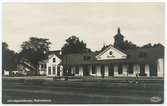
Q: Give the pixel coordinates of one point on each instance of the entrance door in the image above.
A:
(142, 70)
(153, 69)
(102, 70)
(111, 70)
(85, 70)
(58, 70)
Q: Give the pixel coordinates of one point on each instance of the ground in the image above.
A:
(83, 91)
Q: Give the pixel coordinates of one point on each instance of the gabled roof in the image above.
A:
(108, 48)
(56, 52)
(27, 65)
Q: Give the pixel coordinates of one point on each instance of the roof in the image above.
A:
(138, 55)
(56, 52)
(79, 58)
(109, 47)
(27, 65)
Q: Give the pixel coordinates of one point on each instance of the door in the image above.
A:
(142, 70)
(153, 69)
(85, 70)
(102, 70)
(111, 70)
(58, 70)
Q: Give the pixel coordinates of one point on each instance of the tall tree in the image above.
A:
(34, 50)
(8, 58)
(129, 45)
(74, 45)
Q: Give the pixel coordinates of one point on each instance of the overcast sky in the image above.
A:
(94, 23)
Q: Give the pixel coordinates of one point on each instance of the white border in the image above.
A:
(83, 0)
(56, 1)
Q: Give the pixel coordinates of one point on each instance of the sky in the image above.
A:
(94, 23)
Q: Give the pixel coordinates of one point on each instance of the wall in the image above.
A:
(106, 70)
(6, 73)
(98, 70)
(125, 69)
(116, 71)
(160, 67)
(147, 69)
(50, 63)
(80, 71)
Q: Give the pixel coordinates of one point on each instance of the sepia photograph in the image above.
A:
(83, 53)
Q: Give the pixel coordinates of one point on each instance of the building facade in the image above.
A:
(51, 66)
(113, 61)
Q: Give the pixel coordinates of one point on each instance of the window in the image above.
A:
(54, 60)
(110, 52)
(142, 70)
(41, 65)
(77, 70)
(142, 54)
(153, 69)
(130, 68)
(58, 67)
(110, 55)
(87, 58)
(120, 69)
(44, 65)
(93, 69)
(49, 70)
(54, 70)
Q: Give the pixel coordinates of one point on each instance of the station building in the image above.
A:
(116, 62)
(113, 61)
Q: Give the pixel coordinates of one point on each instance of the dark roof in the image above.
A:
(138, 55)
(56, 52)
(82, 58)
(27, 65)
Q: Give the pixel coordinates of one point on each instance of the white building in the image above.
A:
(51, 65)
(112, 61)
(6, 73)
(144, 62)
(116, 61)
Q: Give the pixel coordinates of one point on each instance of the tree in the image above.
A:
(8, 58)
(102, 49)
(74, 45)
(34, 50)
(157, 45)
(129, 45)
(147, 45)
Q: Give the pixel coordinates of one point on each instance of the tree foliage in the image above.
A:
(74, 45)
(34, 50)
(129, 45)
(151, 45)
(8, 58)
